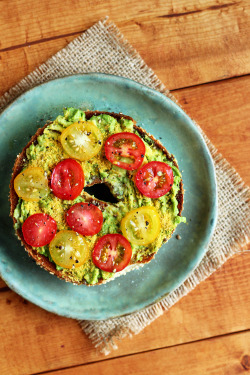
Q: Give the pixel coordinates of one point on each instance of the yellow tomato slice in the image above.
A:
(69, 249)
(141, 226)
(82, 140)
(31, 184)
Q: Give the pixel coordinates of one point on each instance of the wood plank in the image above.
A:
(217, 356)
(18, 63)
(197, 47)
(185, 44)
(28, 21)
(220, 305)
(2, 284)
(222, 110)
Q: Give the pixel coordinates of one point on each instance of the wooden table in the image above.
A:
(201, 51)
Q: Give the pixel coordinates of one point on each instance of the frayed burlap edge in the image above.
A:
(105, 333)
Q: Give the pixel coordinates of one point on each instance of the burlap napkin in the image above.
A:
(103, 49)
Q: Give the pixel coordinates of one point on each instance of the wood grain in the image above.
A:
(2, 284)
(50, 19)
(55, 342)
(17, 64)
(185, 44)
(227, 355)
(222, 110)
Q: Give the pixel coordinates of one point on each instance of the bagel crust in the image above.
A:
(44, 261)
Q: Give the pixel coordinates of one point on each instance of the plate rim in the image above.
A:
(209, 161)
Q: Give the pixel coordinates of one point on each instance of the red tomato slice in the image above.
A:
(112, 253)
(67, 180)
(39, 230)
(154, 179)
(126, 150)
(85, 218)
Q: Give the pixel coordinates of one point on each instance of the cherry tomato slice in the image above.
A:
(31, 184)
(154, 179)
(39, 230)
(112, 253)
(126, 150)
(82, 140)
(67, 179)
(141, 226)
(69, 249)
(85, 218)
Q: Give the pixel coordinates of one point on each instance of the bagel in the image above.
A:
(45, 150)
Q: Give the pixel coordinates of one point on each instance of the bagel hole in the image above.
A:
(101, 192)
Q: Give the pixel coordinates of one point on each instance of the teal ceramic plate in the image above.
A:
(174, 261)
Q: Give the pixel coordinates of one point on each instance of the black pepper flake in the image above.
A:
(178, 237)
(142, 156)
(70, 257)
(171, 185)
(99, 142)
(77, 261)
(147, 223)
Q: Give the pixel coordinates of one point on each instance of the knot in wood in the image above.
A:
(245, 362)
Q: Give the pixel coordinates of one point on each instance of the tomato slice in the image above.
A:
(31, 184)
(69, 249)
(82, 140)
(85, 218)
(154, 179)
(126, 150)
(39, 230)
(112, 253)
(67, 179)
(142, 225)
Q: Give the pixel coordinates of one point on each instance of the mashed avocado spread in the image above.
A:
(47, 152)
